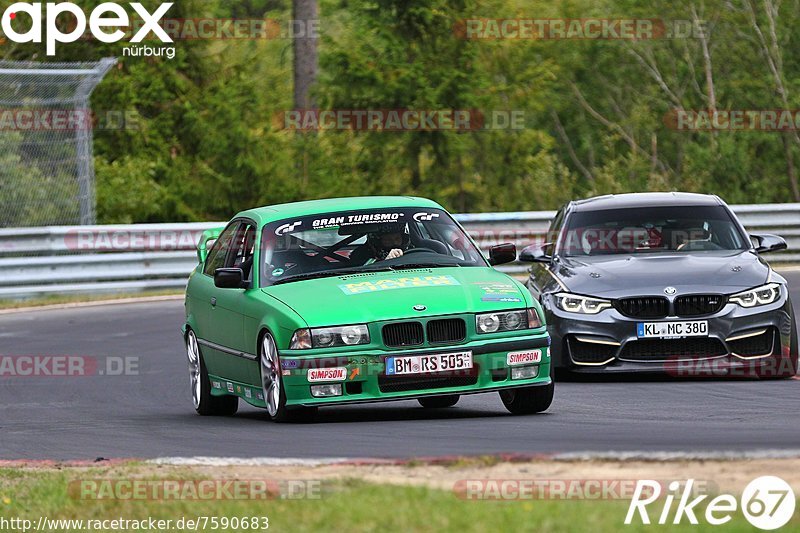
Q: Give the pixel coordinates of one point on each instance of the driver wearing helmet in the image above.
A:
(388, 241)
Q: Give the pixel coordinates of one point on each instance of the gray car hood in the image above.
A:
(649, 274)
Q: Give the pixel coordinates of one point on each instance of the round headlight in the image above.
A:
(352, 335)
(488, 323)
(513, 320)
(324, 339)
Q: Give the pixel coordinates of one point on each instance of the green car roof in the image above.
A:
(271, 213)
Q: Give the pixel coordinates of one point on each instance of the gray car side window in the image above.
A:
(554, 230)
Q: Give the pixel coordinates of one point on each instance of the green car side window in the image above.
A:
(219, 251)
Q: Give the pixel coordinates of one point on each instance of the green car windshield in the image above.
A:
(347, 242)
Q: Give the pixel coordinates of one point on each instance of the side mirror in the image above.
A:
(766, 242)
(502, 253)
(229, 278)
(535, 254)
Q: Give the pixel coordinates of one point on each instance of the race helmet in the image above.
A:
(387, 237)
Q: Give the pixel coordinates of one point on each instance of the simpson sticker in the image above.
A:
(248, 393)
(216, 384)
(327, 374)
(398, 283)
(230, 386)
(524, 358)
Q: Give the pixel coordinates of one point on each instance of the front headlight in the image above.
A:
(581, 304)
(507, 321)
(304, 339)
(766, 294)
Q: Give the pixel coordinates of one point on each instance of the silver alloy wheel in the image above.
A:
(270, 380)
(193, 353)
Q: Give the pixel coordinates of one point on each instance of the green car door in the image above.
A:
(218, 311)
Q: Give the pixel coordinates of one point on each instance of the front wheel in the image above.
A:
(528, 400)
(204, 402)
(438, 402)
(789, 366)
(272, 386)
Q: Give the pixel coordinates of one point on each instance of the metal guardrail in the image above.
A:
(132, 258)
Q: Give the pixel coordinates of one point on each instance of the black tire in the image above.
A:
(439, 402)
(205, 403)
(528, 400)
(269, 365)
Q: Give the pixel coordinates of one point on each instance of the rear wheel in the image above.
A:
(272, 386)
(528, 400)
(438, 402)
(204, 402)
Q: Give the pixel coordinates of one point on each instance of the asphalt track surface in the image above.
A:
(149, 415)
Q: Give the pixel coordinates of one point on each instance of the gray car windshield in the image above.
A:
(337, 243)
(651, 229)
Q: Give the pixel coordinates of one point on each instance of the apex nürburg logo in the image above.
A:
(104, 23)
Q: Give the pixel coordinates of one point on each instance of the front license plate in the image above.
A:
(423, 364)
(661, 330)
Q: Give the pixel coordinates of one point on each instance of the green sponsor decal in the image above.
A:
(397, 283)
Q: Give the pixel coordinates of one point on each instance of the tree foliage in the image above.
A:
(205, 141)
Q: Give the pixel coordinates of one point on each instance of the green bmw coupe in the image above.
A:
(352, 300)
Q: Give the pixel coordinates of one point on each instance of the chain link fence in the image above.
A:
(46, 165)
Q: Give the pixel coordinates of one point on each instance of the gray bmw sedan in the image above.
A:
(664, 282)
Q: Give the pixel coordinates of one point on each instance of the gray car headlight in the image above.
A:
(507, 321)
(586, 305)
(763, 295)
(304, 339)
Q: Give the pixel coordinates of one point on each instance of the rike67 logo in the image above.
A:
(768, 503)
(25, 22)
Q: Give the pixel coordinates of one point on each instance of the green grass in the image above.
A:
(350, 505)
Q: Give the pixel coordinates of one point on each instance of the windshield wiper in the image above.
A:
(329, 273)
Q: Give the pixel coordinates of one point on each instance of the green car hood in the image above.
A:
(372, 297)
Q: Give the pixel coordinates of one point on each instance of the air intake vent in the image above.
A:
(643, 307)
(447, 331)
(756, 345)
(699, 304)
(672, 349)
(403, 334)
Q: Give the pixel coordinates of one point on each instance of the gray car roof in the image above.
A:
(645, 199)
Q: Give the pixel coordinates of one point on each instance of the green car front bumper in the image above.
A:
(365, 378)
